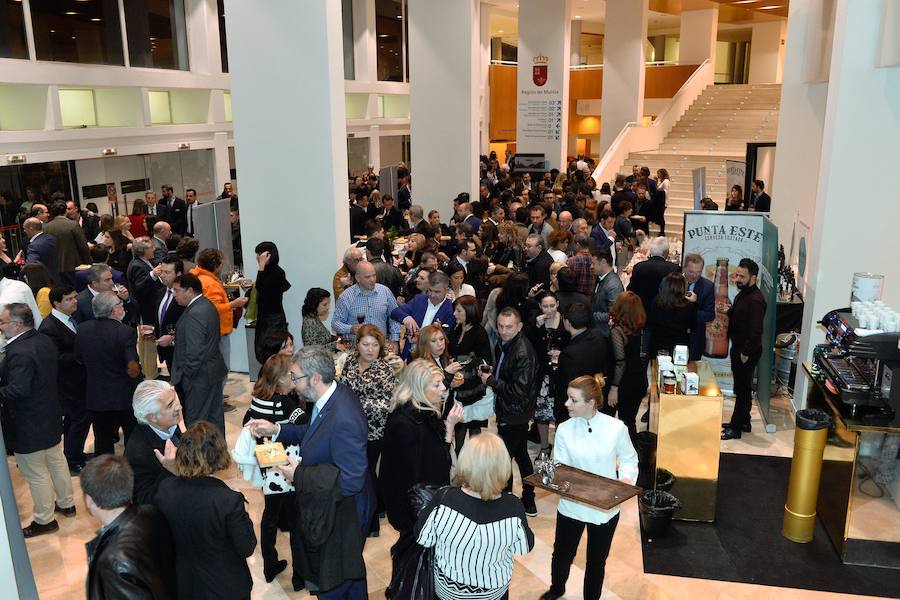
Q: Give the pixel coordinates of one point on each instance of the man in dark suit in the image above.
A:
(426, 309)
(417, 221)
(154, 211)
(100, 279)
(151, 448)
(162, 231)
(70, 240)
(32, 421)
(465, 211)
(538, 261)
(99, 254)
(108, 350)
(166, 310)
(359, 215)
(586, 354)
(759, 199)
(336, 434)
(647, 275)
(702, 294)
(60, 327)
(174, 210)
(606, 290)
(404, 194)
(143, 278)
(41, 247)
(391, 217)
(745, 328)
(198, 368)
(86, 219)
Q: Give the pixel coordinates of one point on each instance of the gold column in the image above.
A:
(803, 491)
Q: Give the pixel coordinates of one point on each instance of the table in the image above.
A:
(688, 430)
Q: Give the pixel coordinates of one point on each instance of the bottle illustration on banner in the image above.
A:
(717, 330)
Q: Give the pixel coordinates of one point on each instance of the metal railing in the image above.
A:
(649, 63)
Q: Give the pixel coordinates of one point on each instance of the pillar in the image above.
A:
(543, 80)
(203, 36)
(575, 42)
(861, 127)
(484, 62)
(623, 68)
(765, 52)
(698, 36)
(444, 74)
(365, 50)
(222, 162)
(300, 65)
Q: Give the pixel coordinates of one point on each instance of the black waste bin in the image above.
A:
(645, 446)
(656, 509)
(664, 480)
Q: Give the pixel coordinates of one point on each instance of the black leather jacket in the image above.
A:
(514, 386)
(132, 558)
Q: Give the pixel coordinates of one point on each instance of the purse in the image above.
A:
(414, 578)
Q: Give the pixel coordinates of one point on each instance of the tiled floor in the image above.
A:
(59, 566)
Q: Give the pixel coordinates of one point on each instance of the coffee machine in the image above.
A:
(861, 367)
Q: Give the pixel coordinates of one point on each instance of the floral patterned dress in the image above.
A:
(374, 388)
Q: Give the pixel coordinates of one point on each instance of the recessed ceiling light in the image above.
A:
(499, 31)
(52, 31)
(152, 39)
(577, 16)
(770, 7)
(383, 35)
(71, 12)
(96, 19)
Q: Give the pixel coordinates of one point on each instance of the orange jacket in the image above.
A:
(215, 293)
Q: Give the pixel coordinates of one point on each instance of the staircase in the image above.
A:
(715, 128)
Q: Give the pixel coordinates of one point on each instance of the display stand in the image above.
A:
(688, 429)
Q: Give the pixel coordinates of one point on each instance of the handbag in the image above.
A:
(414, 577)
(481, 409)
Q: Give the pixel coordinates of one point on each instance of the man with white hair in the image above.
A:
(343, 277)
(13, 290)
(151, 449)
(647, 275)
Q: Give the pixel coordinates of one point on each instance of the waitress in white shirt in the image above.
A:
(594, 442)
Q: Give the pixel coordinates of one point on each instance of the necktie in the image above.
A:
(165, 306)
(191, 219)
(499, 364)
(315, 413)
(72, 323)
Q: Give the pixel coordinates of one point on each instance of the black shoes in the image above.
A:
(271, 574)
(298, 584)
(75, 469)
(66, 512)
(731, 434)
(36, 529)
(549, 595)
(530, 507)
(745, 428)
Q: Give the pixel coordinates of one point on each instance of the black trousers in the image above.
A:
(76, 424)
(373, 453)
(515, 437)
(627, 408)
(461, 429)
(568, 536)
(106, 424)
(743, 387)
(278, 506)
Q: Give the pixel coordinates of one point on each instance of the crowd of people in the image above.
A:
(510, 317)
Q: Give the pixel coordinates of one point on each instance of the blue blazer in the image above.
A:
(416, 308)
(44, 249)
(339, 436)
(706, 312)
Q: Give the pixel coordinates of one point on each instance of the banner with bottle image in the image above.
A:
(723, 239)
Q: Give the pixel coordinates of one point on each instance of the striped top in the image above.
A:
(474, 542)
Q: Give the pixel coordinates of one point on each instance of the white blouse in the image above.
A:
(596, 451)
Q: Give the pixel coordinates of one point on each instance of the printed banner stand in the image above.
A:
(699, 177)
(723, 239)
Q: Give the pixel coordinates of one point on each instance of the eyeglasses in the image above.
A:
(296, 378)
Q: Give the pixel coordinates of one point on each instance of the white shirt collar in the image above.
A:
(194, 299)
(35, 236)
(93, 291)
(10, 340)
(320, 403)
(63, 317)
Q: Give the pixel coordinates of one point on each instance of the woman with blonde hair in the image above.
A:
(478, 516)
(123, 224)
(212, 530)
(595, 442)
(416, 447)
(433, 345)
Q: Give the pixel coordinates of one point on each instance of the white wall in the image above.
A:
(766, 53)
(698, 36)
(623, 67)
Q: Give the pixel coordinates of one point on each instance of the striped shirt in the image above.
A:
(374, 306)
(474, 542)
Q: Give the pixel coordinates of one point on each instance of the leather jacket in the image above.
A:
(515, 384)
(132, 558)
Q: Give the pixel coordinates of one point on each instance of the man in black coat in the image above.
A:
(759, 199)
(42, 248)
(173, 210)
(359, 215)
(151, 448)
(198, 368)
(702, 294)
(108, 350)
(514, 384)
(166, 311)
(100, 279)
(646, 277)
(607, 288)
(60, 327)
(586, 354)
(32, 421)
(133, 553)
(538, 261)
(143, 278)
(745, 328)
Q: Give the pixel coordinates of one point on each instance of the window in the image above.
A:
(87, 31)
(160, 108)
(391, 39)
(156, 34)
(12, 31)
(228, 114)
(223, 42)
(78, 108)
(347, 18)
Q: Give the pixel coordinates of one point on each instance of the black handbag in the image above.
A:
(414, 577)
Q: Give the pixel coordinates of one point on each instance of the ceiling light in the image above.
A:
(96, 19)
(770, 7)
(499, 31)
(746, 1)
(71, 12)
(152, 39)
(383, 35)
(52, 31)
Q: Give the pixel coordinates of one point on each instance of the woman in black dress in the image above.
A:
(470, 346)
(549, 337)
(671, 315)
(271, 284)
(629, 381)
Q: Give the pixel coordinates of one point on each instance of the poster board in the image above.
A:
(699, 179)
(735, 173)
(731, 236)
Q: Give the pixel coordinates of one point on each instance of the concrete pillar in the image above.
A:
(484, 62)
(365, 44)
(222, 162)
(375, 147)
(203, 36)
(310, 143)
(543, 80)
(575, 42)
(623, 67)
(860, 131)
(698, 36)
(444, 74)
(766, 56)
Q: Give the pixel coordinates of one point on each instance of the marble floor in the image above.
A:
(59, 566)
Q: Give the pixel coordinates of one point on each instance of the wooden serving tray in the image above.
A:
(595, 490)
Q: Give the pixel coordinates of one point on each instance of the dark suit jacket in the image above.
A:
(32, 419)
(646, 277)
(358, 218)
(338, 436)
(605, 293)
(745, 325)
(90, 224)
(148, 472)
(175, 310)
(586, 354)
(85, 311)
(762, 203)
(175, 214)
(81, 281)
(143, 288)
(394, 219)
(73, 249)
(70, 375)
(213, 537)
(108, 350)
(45, 250)
(539, 269)
(416, 309)
(404, 198)
(197, 355)
(706, 312)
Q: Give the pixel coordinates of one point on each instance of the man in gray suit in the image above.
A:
(607, 289)
(70, 240)
(161, 232)
(198, 369)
